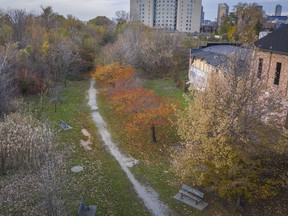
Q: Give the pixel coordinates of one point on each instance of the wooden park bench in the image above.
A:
(191, 197)
(86, 210)
(191, 193)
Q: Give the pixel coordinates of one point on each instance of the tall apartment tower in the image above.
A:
(223, 10)
(202, 15)
(143, 10)
(278, 10)
(165, 14)
(189, 15)
(181, 15)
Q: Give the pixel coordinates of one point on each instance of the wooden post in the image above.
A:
(286, 122)
(153, 130)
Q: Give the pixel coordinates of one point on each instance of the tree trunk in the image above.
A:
(153, 130)
(286, 122)
(3, 164)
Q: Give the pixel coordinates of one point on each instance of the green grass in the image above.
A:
(167, 88)
(154, 168)
(102, 182)
(164, 88)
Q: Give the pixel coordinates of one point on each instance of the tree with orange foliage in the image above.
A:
(146, 110)
(114, 74)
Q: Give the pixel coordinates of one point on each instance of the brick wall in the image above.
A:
(268, 74)
(269, 70)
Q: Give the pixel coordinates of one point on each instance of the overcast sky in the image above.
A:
(88, 9)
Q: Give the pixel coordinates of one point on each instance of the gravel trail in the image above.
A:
(147, 194)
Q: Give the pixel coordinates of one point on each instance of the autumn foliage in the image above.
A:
(113, 74)
(226, 146)
(144, 108)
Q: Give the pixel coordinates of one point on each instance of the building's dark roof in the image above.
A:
(218, 55)
(277, 41)
(211, 58)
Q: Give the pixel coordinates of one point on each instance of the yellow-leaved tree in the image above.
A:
(226, 145)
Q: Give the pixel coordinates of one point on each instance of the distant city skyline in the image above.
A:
(89, 9)
(210, 6)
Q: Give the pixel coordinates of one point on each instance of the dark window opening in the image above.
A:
(277, 74)
(260, 67)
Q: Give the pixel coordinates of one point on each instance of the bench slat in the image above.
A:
(190, 195)
(193, 191)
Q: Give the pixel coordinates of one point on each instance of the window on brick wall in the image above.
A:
(260, 68)
(277, 74)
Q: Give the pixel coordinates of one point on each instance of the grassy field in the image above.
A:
(102, 182)
(167, 88)
(164, 88)
(154, 168)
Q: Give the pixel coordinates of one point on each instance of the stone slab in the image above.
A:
(77, 169)
(200, 206)
(64, 125)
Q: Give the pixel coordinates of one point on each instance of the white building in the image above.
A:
(181, 15)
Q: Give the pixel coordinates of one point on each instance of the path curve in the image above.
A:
(147, 194)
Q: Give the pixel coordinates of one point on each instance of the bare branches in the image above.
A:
(122, 15)
(18, 20)
(7, 76)
(63, 60)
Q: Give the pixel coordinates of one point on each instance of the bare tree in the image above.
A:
(48, 16)
(122, 15)
(63, 60)
(7, 77)
(127, 47)
(18, 20)
(156, 54)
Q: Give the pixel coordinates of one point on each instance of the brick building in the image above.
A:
(271, 54)
(210, 59)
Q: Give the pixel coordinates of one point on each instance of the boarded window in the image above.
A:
(260, 68)
(277, 74)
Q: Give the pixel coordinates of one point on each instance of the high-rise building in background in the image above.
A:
(260, 8)
(181, 15)
(202, 15)
(278, 10)
(223, 10)
(189, 15)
